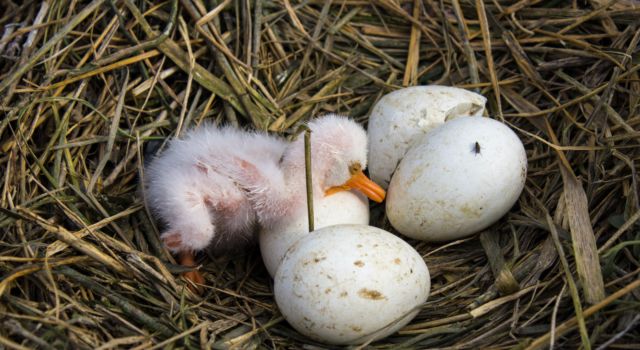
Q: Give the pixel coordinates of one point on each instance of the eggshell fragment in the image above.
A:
(348, 284)
(404, 115)
(344, 207)
(457, 180)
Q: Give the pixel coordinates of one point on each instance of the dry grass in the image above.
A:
(91, 89)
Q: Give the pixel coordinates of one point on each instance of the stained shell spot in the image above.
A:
(315, 260)
(327, 291)
(356, 328)
(470, 211)
(370, 294)
(397, 261)
(343, 294)
(358, 263)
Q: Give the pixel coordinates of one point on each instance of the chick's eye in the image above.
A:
(355, 168)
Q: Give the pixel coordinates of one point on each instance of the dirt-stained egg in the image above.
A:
(401, 117)
(348, 284)
(345, 207)
(457, 179)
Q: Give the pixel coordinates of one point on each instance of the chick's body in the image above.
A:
(214, 186)
(190, 189)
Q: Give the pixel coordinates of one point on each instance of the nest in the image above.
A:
(89, 90)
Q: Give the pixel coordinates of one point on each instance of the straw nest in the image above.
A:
(91, 89)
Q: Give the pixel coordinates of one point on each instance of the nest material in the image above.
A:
(90, 90)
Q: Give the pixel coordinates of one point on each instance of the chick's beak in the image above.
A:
(359, 181)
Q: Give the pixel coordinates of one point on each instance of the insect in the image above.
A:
(476, 148)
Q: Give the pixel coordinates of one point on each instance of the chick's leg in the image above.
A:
(173, 241)
(187, 259)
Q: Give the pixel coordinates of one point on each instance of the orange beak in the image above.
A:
(359, 181)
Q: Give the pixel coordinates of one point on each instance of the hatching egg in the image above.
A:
(344, 207)
(401, 117)
(457, 179)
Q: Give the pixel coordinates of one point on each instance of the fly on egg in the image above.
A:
(457, 180)
(450, 171)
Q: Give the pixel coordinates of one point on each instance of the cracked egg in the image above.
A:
(401, 117)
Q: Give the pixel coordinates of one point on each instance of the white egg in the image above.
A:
(457, 180)
(345, 207)
(348, 284)
(404, 115)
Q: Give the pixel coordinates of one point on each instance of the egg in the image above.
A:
(348, 284)
(345, 207)
(457, 180)
(401, 117)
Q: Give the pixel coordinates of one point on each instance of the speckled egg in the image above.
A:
(348, 284)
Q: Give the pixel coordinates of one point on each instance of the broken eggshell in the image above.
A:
(349, 284)
(345, 207)
(457, 180)
(404, 115)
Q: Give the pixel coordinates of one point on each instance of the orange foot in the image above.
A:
(187, 259)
